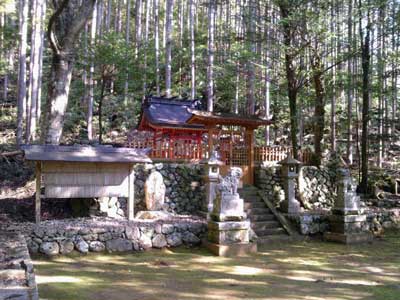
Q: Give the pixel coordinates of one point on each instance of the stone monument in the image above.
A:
(290, 172)
(228, 229)
(154, 189)
(347, 222)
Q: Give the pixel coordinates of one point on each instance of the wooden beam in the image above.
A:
(38, 191)
(131, 193)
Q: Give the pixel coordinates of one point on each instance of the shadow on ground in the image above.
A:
(304, 270)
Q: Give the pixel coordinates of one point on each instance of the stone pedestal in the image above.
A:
(228, 207)
(347, 223)
(228, 231)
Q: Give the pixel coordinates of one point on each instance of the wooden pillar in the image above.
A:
(131, 193)
(250, 137)
(210, 141)
(38, 191)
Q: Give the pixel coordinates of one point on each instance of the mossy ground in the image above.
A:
(302, 270)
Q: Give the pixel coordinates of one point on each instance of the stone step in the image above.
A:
(270, 231)
(258, 211)
(248, 205)
(260, 218)
(252, 200)
(260, 225)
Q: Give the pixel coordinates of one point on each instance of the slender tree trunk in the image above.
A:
(349, 147)
(40, 75)
(251, 19)
(157, 45)
(290, 75)
(168, 46)
(127, 41)
(35, 70)
(138, 27)
(90, 101)
(21, 98)
(365, 57)
(381, 68)
(146, 42)
(319, 110)
(192, 50)
(211, 50)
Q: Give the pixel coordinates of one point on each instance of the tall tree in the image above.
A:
(23, 31)
(365, 35)
(168, 45)
(64, 26)
(38, 13)
(211, 50)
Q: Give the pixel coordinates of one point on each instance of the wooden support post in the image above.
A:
(210, 142)
(250, 135)
(131, 193)
(38, 191)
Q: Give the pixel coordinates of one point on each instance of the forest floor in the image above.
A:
(303, 270)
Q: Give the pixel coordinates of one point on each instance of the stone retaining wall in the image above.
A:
(17, 278)
(185, 191)
(316, 188)
(312, 222)
(106, 234)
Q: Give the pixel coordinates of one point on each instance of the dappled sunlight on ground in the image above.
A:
(300, 271)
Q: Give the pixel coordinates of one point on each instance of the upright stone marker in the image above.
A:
(155, 191)
(347, 223)
(228, 229)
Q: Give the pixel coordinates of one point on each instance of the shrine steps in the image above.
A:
(268, 224)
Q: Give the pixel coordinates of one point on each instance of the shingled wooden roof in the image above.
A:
(212, 118)
(85, 154)
(160, 112)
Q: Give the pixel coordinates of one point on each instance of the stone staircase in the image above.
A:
(263, 221)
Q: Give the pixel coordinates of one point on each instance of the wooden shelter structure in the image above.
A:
(178, 130)
(84, 172)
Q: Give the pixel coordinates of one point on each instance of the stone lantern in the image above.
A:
(348, 224)
(212, 168)
(290, 172)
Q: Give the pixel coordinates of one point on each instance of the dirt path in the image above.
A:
(312, 270)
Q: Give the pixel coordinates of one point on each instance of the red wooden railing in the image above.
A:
(190, 150)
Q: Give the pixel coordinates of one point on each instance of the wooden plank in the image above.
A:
(131, 194)
(85, 179)
(82, 167)
(38, 184)
(54, 191)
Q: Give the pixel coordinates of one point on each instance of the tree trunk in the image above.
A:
(319, 109)
(168, 46)
(192, 50)
(251, 19)
(90, 101)
(64, 27)
(290, 75)
(157, 46)
(127, 41)
(349, 147)
(35, 70)
(365, 59)
(211, 50)
(21, 97)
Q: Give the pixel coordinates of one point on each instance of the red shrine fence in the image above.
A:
(232, 152)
